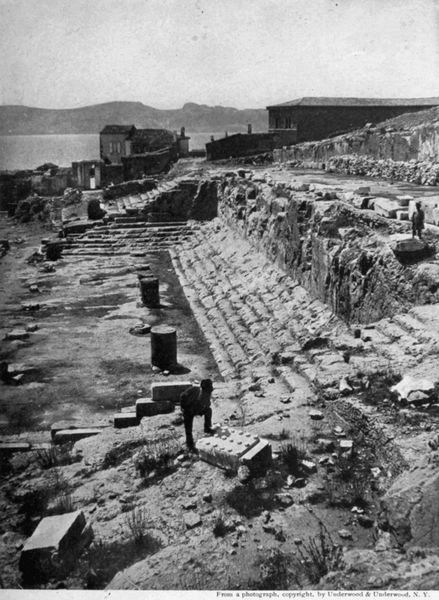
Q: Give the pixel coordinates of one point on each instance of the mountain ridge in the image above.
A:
(28, 120)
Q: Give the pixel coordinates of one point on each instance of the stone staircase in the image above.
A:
(129, 229)
(256, 317)
(253, 315)
(127, 235)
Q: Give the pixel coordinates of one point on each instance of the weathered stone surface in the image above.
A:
(55, 541)
(192, 519)
(410, 385)
(411, 508)
(386, 207)
(388, 569)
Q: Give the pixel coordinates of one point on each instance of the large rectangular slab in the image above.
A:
(169, 391)
(73, 435)
(386, 207)
(229, 448)
(145, 407)
(128, 419)
(60, 534)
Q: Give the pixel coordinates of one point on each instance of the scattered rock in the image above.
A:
(344, 387)
(308, 466)
(284, 499)
(345, 534)
(300, 482)
(365, 521)
(410, 385)
(325, 445)
(266, 516)
(346, 446)
(244, 474)
(316, 415)
(207, 497)
(192, 520)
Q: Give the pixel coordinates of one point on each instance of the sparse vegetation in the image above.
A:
(63, 504)
(156, 456)
(55, 456)
(102, 560)
(120, 452)
(319, 555)
(283, 434)
(219, 526)
(136, 521)
(291, 455)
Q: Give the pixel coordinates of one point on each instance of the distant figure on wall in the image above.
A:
(196, 402)
(418, 220)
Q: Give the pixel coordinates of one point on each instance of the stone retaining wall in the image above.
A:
(337, 252)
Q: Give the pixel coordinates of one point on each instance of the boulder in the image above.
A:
(410, 506)
(407, 389)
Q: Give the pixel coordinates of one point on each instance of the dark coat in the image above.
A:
(191, 401)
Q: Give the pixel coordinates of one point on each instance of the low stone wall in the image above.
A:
(337, 252)
(418, 172)
(137, 186)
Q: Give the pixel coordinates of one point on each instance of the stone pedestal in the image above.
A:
(149, 290)
(163, 347)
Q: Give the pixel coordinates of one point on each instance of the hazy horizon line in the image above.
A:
(264, 107)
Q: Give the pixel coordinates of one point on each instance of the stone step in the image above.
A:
(414, 327)
(259, 321)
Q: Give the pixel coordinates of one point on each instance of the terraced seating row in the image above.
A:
(254, 325)
(248, 323)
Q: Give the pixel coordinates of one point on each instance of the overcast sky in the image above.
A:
(243, 53)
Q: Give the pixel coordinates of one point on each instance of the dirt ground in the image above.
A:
(83, 363)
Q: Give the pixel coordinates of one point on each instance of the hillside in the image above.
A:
(24, 120)
(409, 120)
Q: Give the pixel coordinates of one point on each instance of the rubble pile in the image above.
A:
(418, 172)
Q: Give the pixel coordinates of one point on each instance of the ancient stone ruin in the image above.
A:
(307, 302)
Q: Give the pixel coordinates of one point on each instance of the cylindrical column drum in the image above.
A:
(149, 290)
(164, 347)
(53, 250)
(143, 271)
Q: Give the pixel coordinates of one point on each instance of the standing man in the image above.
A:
(196, 402)
(418, 220)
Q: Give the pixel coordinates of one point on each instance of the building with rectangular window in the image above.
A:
(119, 141)
(317, 118)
